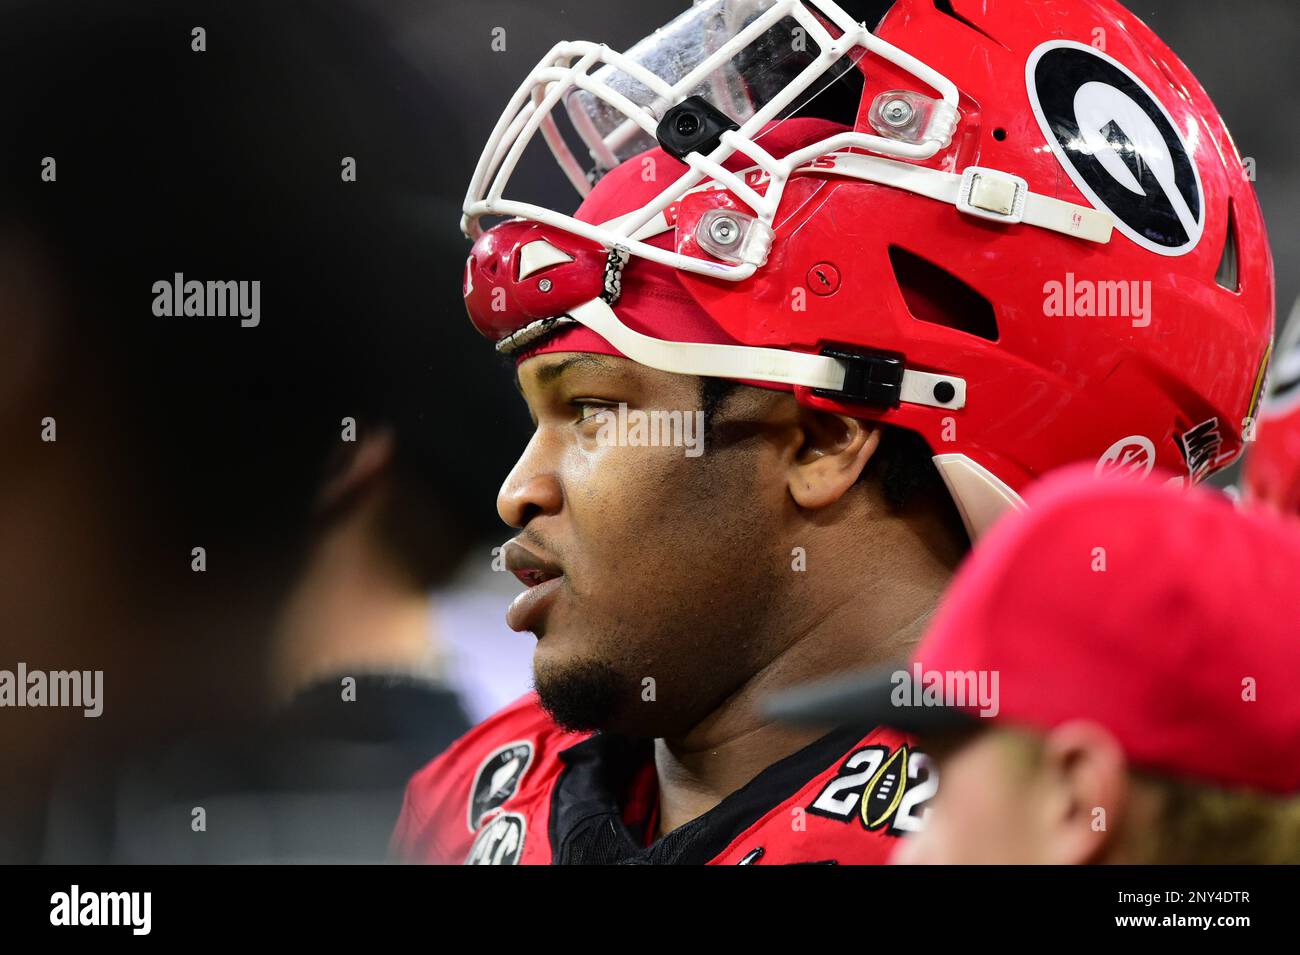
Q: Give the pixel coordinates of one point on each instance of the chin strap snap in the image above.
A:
(858, 377)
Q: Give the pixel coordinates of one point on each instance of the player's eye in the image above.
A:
(592, 410)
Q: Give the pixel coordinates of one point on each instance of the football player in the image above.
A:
(832, 298)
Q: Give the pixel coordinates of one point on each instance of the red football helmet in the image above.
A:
(1272, 472)
(1035, 244)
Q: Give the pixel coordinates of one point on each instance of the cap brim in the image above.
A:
(865, 698)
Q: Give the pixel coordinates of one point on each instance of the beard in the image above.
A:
(583, 695)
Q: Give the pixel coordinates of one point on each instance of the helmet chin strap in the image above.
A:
(749, 363)
(981, 497)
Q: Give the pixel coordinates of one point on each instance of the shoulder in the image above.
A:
(852, 810)
(512, 758)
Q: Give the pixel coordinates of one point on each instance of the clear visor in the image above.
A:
(739, 87)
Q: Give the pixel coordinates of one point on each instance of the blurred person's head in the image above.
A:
(384, 534)
(1270, 476)
(1070, 796)
(1106, 681)
(155, 144)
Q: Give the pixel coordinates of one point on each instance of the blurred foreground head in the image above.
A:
(163, 444)
(1109, 679)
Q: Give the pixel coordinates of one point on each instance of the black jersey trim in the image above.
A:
(586, 824)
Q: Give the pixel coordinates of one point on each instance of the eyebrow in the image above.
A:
(549, 373)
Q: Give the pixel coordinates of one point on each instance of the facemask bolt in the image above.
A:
(724, 230)
(897, 112)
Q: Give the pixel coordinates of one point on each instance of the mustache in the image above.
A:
(528, 536)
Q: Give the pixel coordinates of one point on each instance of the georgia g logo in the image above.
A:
(1119, 145)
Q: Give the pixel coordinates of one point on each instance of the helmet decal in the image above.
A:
(1118, 144)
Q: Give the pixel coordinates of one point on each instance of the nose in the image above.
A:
(531, 489)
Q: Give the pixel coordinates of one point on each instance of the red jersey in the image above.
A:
(517, 789)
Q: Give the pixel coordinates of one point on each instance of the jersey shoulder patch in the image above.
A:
(481, 800)
(852, 812)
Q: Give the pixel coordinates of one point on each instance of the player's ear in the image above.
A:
(832, 453)
(1085, 779)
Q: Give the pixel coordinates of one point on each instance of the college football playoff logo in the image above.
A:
(882, 788)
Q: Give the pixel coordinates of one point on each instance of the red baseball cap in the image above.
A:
(1167, 616)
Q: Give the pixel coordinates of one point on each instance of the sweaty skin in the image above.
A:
(680, 604)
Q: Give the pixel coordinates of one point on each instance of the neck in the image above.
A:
(351, 613)
(868, 614)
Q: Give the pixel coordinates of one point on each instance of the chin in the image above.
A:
(579, 692)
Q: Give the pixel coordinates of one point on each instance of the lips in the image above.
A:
(542, 578)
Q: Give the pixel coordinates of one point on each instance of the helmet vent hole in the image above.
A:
(1228, 274)
(1000, 134)
(945, 7)
(934, 295)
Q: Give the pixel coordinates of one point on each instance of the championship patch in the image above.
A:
(498, 779)
(1118, 144)
(500, 843)
(881, 788)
